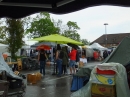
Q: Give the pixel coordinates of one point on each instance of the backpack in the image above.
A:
(61, 54)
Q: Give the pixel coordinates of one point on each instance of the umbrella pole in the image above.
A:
(55, 67)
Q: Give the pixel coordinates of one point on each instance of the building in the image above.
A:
(112, 39)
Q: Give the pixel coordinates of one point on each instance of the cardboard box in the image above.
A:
(95, 95)
(104, 79)
(101, 89)
(32, 78)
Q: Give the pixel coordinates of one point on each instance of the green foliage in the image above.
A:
(42, 25)
(15, 34)
(58, 25)
(12, 31)
(71, 32)
(73, 26)
(3, 35)
(85, 41)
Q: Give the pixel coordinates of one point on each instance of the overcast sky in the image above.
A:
(91, 20)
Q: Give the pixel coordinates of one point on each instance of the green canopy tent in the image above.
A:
(121, 54)
(58, 39)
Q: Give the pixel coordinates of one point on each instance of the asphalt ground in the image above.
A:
(51, 85)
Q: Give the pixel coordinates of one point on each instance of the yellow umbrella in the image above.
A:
(58, 39)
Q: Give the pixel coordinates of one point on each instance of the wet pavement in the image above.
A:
(51, 85)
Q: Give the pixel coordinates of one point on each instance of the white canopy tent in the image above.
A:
(97, 46)
(88, 50)
(3, 48)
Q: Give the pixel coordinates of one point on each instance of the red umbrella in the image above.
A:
(45, 47)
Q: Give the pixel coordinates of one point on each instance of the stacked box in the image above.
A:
(103, 90)
(103, 84)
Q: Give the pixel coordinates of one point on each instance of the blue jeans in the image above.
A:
(72, 63)
(59, 65)
(42, 67)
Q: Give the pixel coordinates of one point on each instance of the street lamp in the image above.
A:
(106, 31)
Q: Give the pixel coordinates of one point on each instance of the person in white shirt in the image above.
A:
(83, 61)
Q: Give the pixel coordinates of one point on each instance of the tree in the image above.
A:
(71, 31)
(58, 25)
(42, 25)
(15, 32)
(3, 35)
(85, 41)
(72, 26)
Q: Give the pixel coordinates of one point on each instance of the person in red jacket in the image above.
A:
(72, 62)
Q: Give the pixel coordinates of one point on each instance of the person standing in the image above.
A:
(64, 60)
(105, 54)
(77, 60)
(67, 65)
(31, 52)
(59, 60)
(72, 62)
(83, 61)
(42, 59)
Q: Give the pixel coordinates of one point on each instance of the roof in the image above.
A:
(111, 38)
(22, 8)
